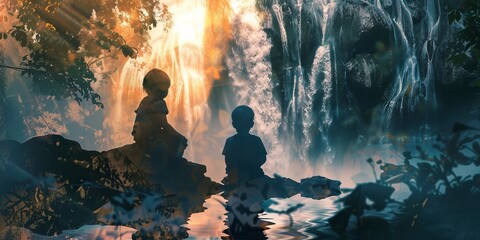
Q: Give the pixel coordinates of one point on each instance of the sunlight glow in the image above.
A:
(191, 52)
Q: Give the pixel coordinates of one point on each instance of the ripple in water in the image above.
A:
(309, 222)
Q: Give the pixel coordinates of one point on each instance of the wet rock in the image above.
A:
(176, 175)
(361, 27)
(368, 78)
(386, 3)
(318, 187)
(364, 41)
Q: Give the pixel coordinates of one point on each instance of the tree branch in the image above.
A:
(20, 68)
(103, 57)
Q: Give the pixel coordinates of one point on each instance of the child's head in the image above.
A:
(156, 83)
(242, 118)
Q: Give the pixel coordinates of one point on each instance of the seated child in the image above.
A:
(244, 153)
(151, 127)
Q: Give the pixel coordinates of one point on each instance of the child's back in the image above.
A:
(151, 127)
(244, 156)
(244, 153)
(145, 127)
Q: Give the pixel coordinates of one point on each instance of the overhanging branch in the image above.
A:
(20, 68)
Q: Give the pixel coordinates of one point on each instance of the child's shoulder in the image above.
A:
(237, 138)
(255, 138)
(155, 105)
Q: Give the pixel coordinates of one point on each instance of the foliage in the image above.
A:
(466, 43)
(432, 177)
(2, 81)
(57, 180)
(50, 184)
(435, 172)
(67, 39)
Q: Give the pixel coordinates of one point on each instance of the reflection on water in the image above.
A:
(309, 222)
(209, 223)
(308, 219)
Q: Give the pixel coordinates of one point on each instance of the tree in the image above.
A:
(65, 39)
(465, 48)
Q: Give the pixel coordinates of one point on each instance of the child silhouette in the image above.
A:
(244, 153)
(151, 127)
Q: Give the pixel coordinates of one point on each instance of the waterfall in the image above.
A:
(180, 53)
(321, 83)
(285, 59)
(310, 98)
(288, 133)
(321, 65)
(411, 90)
(303, 120)
(250, 69)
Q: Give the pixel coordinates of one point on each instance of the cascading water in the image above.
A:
(178, 52)
(287, 130)
(250, 69)
(282, 61)
(295, 100)
(413, 90)
(303, 118)
(321, 84)
(313, 98)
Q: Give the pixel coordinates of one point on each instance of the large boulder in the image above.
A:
(49, 179)
(364, 39)
(361, 28)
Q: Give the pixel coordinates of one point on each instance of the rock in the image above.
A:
(173, 175)
(318, 187)
(368, 78)
(59, 179)
(360, 27)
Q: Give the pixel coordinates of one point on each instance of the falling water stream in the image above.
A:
(412, 90)
(308, 105)
(180, 53)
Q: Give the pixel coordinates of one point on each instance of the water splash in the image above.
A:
(250, 69)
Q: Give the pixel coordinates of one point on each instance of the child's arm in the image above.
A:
(231, 168)
(262, 159)
(160, 119)
(158, 111)
(227, 152)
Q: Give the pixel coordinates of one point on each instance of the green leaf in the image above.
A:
(459, 59)
(127, 51)
(454, 16)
